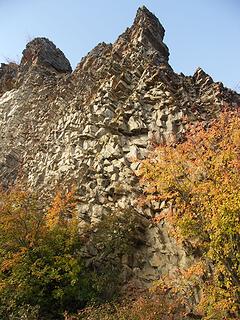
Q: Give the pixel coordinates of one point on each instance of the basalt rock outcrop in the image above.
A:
(93, 126)
(42, 52)
(8, 73)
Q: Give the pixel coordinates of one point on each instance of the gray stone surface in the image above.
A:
(92, 127)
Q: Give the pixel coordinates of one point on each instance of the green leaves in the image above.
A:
(42, 269)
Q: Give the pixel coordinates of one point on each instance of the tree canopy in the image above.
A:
(199, 179)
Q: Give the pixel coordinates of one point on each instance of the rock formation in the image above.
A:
(92, 126)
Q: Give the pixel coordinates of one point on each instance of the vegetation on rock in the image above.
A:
(200, 181)
(43, 272)
(45, 269)
(94, 126)
(163, 306)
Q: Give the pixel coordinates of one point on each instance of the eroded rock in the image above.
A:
(93, 127)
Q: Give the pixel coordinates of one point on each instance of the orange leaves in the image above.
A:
(15, 258)
(20, 220)
(144, 307)
(197, 269)
(62, 209)
(202, 174)
(40, 258)
(200, 178)
(24, 221)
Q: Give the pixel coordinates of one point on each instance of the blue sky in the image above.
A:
(203, 33)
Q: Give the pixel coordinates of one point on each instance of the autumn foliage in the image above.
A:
(44, 272)
(199, 179)
(45, 275)
(42, 269)
(144, 307)
(40, 266)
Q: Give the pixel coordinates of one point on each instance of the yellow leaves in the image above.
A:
(12, 260)
(20, 220)
(196, 270)
(62, 209)
(54, 213)
(218, 303)
(200, 177)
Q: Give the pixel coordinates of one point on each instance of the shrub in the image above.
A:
(40, 257)
(43, 271)
(145, 307)
(200, 180)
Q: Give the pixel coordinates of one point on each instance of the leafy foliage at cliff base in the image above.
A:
(199, 179)
(43, 268)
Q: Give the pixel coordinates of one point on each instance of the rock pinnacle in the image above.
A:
(148, 33)
(43, 52)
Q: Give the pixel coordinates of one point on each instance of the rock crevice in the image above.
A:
(94, 126)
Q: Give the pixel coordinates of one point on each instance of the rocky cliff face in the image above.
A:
(92, 126)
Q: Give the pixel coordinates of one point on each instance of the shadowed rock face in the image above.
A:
(42, 52)
(148, 32)
(93, 126)
(40, 58)
(8, 73)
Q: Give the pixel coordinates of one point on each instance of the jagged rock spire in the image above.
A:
(93, 128)
(147, 33)
(43, 52)
(149, 23)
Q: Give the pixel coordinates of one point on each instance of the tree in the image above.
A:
(44, 271)
(41, 268)
(199, 179)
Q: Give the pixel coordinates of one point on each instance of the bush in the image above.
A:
(43, 271)
(200, 180)
(145, 307)
(41, 265)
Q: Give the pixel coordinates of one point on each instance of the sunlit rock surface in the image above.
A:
(93, 126)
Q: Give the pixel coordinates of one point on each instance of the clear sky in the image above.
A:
(203, 33)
